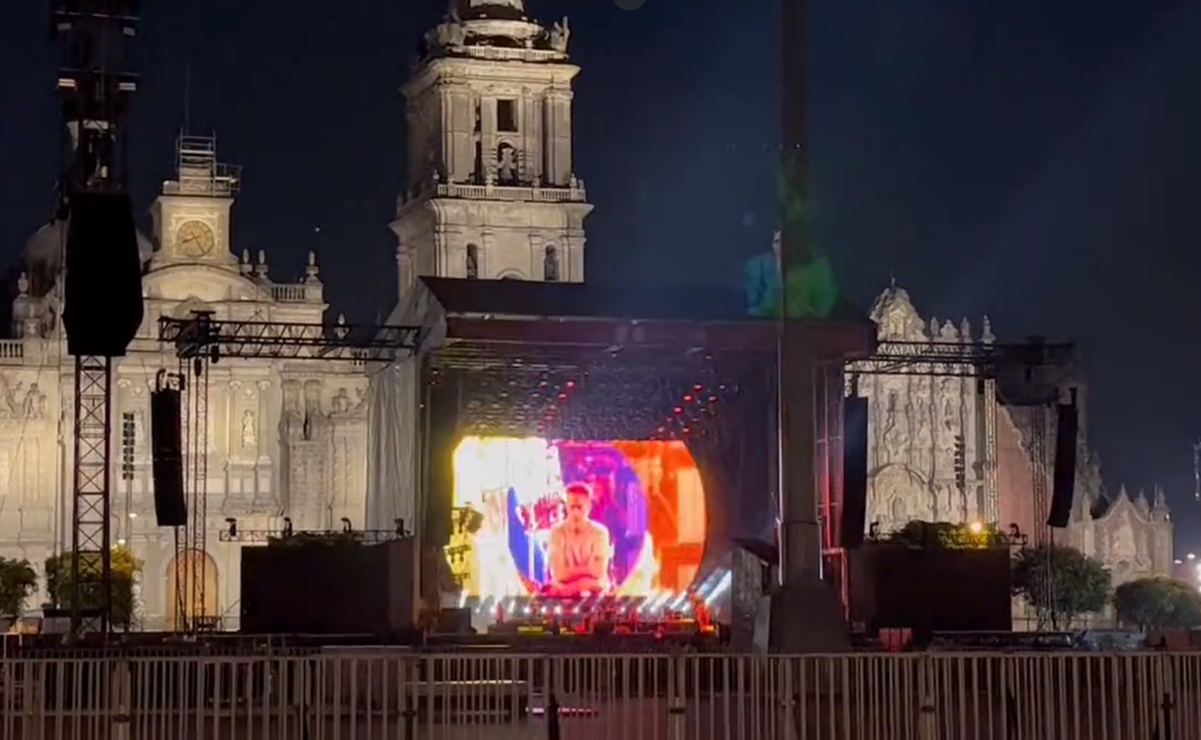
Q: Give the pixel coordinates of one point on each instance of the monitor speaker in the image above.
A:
(1064, 478)
(854, 470)
(166, 447)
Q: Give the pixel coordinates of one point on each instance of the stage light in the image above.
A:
(975, 527)
(232, 524)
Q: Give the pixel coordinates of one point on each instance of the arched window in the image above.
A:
(473, 262)
(550, 265)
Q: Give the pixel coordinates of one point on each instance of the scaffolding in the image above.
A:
(199, 173)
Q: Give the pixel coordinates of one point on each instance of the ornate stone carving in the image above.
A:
(33, 406)
(11, 398)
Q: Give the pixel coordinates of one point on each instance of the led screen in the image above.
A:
(573, 519)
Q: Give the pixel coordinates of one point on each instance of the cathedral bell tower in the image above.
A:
(490, 192)
(191, 215)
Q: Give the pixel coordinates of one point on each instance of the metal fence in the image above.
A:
(366, 696)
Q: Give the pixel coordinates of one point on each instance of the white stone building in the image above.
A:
(916, 422)
(491, 192)
(285, 437)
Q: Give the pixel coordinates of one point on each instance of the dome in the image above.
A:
(43, 248)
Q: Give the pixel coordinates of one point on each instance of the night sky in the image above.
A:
(1037, 161)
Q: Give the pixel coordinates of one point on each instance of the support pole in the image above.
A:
(806, 615)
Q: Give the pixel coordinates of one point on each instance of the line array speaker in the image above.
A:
(1063, 480)
(854, 470)
(166, 449)
(103, 284)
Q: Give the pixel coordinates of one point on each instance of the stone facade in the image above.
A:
(916, 423)
(284, 437)
(491, 192)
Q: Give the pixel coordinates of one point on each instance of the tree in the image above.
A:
(1158, 603)
(1060, 583)
(125, 567)
(17, 581)
(948, 535)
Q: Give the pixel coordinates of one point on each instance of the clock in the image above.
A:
(195, 239)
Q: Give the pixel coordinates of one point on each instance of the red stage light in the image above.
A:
(678, 410)
(562, 396)
(688, 398)
(571, 384)
(697, 388)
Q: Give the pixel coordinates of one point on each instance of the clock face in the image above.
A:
(195, 239)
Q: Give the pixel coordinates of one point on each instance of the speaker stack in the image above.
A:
(1063, 479)
(854, 470)
(166, 442)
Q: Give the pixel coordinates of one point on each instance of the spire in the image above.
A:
(1161, 500)
(1141, 501)
(986, 334)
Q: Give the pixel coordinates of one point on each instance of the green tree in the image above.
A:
(125, 567)
(1060, 583)
(17, 581)
(1158, 603)
(948, 535)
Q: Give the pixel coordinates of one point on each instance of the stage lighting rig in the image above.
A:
(234, 533)
(204, 337)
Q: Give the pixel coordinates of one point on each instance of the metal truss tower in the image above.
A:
(95, 91)
(203, 339)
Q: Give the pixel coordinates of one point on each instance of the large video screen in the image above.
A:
(574, 519)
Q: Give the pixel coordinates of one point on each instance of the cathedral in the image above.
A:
(920, 427)
(285, 438)
(490, 194)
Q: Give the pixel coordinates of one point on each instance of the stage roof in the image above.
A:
(704, 303)
(456, 311)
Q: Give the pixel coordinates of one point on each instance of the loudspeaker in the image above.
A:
(103, 283)
(166, 449)
(1064, 479)
(854, 470)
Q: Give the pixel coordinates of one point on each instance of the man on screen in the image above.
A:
(580, 549)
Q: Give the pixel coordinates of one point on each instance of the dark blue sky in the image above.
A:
(1037, 161)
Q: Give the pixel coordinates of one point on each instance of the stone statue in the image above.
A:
(450, 35)
(560, 34)
(506, 164)
(341, 402)
(473, 262)
(249, 436)
(550, 265)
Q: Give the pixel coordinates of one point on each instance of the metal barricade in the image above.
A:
(366, 695)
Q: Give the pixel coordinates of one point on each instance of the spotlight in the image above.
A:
(287, 527)
(346, 525)
(233, 527)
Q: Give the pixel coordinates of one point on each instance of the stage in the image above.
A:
(665, 410)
